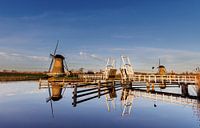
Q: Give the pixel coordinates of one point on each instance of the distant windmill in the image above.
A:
(58, 64)
(161, 69)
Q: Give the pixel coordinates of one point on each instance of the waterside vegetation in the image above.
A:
(21, 76)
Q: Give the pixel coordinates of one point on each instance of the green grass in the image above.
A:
(21, 76)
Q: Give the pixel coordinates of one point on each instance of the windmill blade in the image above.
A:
(52, 109)
(56, 48)
(49, 90)
(64, 91)
(52, 55)
(66, 67)
(51, 64)
(49, 99)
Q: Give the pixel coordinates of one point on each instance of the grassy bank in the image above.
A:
(20, 76)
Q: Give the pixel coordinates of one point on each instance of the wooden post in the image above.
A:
(153, 88)
(148, 86)
(40, 83)
(75, 95)
(196, 80)
(184, 90)
(99, 89)
(113, 83)
(139, 78)
(149, 79)
(63, 81)
(178, 79)
(185, 79)
(130, 84)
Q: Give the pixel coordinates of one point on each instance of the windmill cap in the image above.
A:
(56, 98)
(59, 56)
(161, 66)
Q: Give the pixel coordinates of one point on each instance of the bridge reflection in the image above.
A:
(110, 90)
(95, 90)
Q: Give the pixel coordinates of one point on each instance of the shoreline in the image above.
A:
(18, 76)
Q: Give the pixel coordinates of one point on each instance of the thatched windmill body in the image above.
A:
(58, 64)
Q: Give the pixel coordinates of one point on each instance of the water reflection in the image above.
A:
(83, 93)
(113, 93)
(127, 101)
(56, 92)
(110, 98)
(126, 107)
(196, 108)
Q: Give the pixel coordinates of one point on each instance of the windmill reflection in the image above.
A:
(56, 93)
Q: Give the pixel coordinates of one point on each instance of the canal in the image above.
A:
(23, 104)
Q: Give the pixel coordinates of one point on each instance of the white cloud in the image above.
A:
(20, 61)
(38, 58)
(22, 56)
(92, 56)
(2, 53)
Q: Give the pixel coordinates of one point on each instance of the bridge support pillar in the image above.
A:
(153, 87)
(74, 96)
(198, 95)
(148, 86)
(184, 89)
(99, 89)
(130, 84)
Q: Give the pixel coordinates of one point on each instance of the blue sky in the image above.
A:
(92, 30)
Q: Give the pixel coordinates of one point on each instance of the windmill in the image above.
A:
(161, 69)
(56, 69)
(58, 64)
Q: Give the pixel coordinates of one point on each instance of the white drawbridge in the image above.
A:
(126, 69)
(110, 70)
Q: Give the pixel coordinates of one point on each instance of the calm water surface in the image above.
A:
(23, 105)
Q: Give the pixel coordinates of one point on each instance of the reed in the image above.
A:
(9, 76)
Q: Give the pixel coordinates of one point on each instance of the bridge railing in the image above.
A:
(165, 78)
(92, 76)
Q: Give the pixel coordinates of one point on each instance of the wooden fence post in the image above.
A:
(75, 95)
